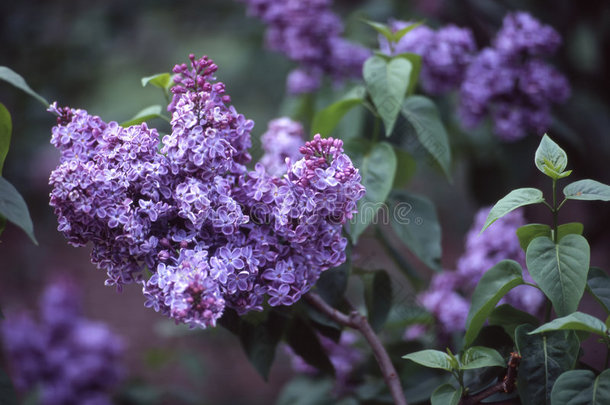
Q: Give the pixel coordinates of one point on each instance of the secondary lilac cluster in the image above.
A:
(446, 53)
(309, 33)
(344, 356)
(497, 243)
(208, 232)
(69, 359)
(445, 297)
(510, 82)
(283, 140)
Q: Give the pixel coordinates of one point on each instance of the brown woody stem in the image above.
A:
(507, 384)
(359, 322)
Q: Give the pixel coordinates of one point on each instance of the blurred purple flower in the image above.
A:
(309, 33)
(445, 53)
(283, 139)
(66, 357)
(445, 296)
(508, 83)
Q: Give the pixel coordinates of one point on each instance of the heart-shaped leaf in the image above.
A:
(560, 270)
(581, 387)
(387, 83)
(543, 359)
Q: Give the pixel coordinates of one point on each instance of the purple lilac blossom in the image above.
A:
(523, 34)
(283, 140)
(344, 356)
(445, 296)
(446, 53)
(309, 33)
(511, 84)
(69, 359)
(210, 233)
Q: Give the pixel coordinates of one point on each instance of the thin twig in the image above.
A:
(507, 384)
(359, 322)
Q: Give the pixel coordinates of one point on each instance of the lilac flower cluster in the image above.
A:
(499, 242)
(344, 356)
(68, 358)
(283, 140)
(446, 53)
(209, 233)
(445, 296)
(511, 83)
(309, 33)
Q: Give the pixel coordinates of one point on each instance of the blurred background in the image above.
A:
(93, 54)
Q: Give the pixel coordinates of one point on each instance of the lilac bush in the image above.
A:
(186, 219)
(308, 32)
(68, 358)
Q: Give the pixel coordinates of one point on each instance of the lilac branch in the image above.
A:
(359, 322)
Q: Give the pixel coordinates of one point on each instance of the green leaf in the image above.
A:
(160, 80)
(509, 318)
(421, 112)
(446, 394)
(16, 80)
(568, 229)
(325, 121)
(416, 62)
(260, 340)
(403, 31)
(494, 285)
(405, 168)
(414, 220)
(550, 155)
(479, 357)
(381, 28)
(581, 387)
(7, 392)
(529, 232)
(575, 321)
(544, 358)
(598, 285)
(560, 270)
(377, 170)
(332, 283)
(513, 200)
(6, 127)
(147, 114)
(588, 190)
(378, 299)
(431, 358)
(305, 343)
(387, 83)
(14, 209)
